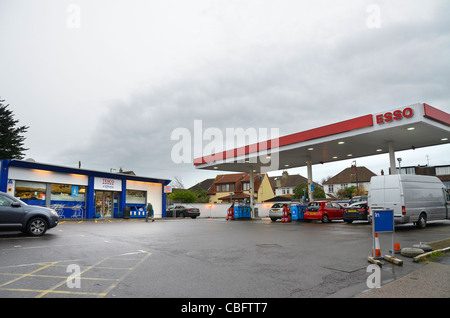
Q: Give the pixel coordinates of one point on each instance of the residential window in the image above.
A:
(246, 186)
(330, 188)
(410, 170)
(441, 171)
(227, 187)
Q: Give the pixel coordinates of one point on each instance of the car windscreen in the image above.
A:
(277, 205)
(358, 205)
(314, 206)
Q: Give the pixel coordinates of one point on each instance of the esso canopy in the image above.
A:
(408, 127)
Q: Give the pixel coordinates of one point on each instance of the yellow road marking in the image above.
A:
(52, 290)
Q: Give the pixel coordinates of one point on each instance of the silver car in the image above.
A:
(276, 211)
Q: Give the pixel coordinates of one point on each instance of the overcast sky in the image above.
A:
(106, 82)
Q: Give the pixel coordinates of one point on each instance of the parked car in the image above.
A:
(323, 210)
(356, 211)
(182, 211)
(358, 198)
(276, 211)
(17, 215)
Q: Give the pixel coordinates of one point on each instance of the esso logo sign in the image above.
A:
(395, 115)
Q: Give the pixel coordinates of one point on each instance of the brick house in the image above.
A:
(238, 184)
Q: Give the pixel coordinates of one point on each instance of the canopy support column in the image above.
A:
(252, 193)
(393, 168)
(310, 182)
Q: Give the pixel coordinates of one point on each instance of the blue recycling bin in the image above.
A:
(247, 212)
(236, 212)
(301, 211)
(242, 212)
(294, 212)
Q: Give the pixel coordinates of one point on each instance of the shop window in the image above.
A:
(136, 197)
(68, 200)
(32, 193)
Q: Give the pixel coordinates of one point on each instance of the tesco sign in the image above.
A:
(395, 115)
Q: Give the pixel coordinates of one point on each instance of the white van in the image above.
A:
(414, 198)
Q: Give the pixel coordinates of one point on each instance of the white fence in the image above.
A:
(219, 210)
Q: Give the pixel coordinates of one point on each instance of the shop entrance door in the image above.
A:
(104, 203)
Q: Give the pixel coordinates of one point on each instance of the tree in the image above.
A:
(182, 195)
(202, 195)
(319, 193)
(348, 192)
(11, 139)
(302, 189)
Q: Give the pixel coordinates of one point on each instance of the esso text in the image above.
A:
(395, 115)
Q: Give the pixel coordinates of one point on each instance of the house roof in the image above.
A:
(235, 196)
(348, 176)
(205, 185)
(279, 198)
(289, 181)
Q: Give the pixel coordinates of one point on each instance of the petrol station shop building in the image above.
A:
(81, 193)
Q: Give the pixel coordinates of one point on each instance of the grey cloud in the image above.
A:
(364, 72)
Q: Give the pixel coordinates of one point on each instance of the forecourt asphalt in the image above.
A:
(214, 258)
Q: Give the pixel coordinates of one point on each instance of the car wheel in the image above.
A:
(325, 219)
(37, 227)
(422, 221)
(349, 221)
(193, 217)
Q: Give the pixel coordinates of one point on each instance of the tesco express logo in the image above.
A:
(395, 115)
(108, 183)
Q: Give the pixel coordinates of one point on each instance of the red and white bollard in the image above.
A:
(230, 214)
(286, 215)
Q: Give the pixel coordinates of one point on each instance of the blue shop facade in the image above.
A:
(82, 194)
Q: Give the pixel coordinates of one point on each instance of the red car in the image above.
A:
(323, 210)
